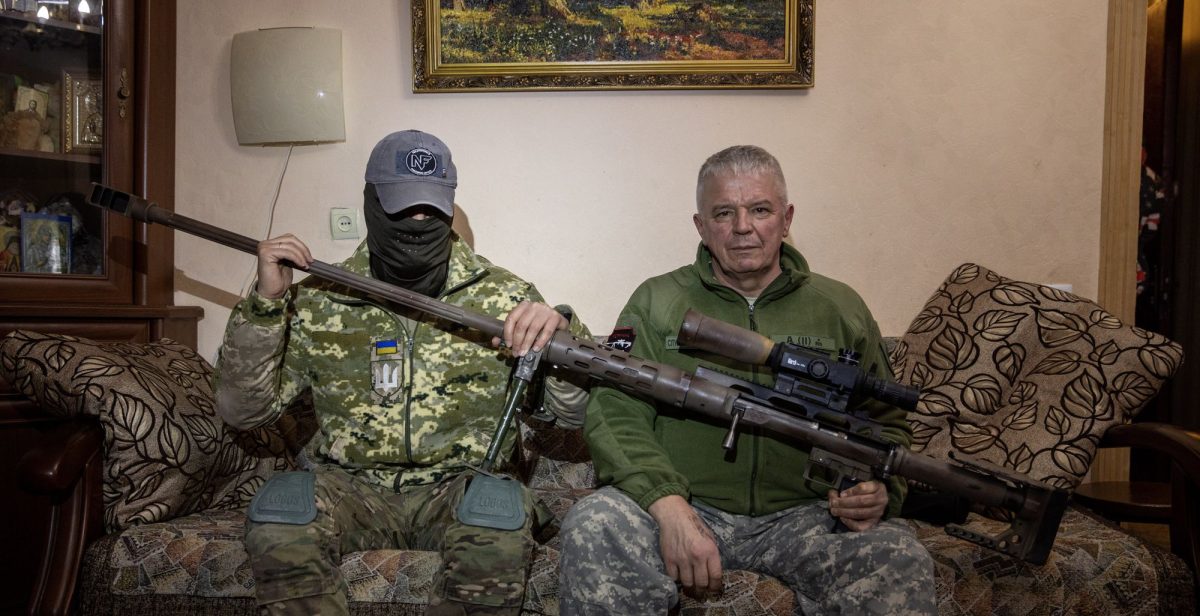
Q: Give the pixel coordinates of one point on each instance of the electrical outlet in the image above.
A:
(1062, 286)
(343, 223)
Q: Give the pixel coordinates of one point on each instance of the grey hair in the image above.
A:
(741, 160)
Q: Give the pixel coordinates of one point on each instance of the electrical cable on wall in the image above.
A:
(252, 277)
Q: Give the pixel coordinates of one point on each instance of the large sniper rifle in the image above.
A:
(808, 403)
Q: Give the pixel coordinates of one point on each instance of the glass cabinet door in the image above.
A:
(64, 123)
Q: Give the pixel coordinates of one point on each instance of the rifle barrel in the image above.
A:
(140, 209)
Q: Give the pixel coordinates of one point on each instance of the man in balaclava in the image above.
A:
(405, 407)
(408, 205)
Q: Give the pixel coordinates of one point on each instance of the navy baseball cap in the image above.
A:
(413, 168)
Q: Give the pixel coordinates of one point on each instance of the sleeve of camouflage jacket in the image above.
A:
(252, 385)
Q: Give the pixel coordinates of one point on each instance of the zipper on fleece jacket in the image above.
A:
(754, 441)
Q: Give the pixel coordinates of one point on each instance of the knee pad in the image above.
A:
(286, 498)
(493, 502)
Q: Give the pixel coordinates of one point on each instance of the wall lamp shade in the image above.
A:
(286, 85)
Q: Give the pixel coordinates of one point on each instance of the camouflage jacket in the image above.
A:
(401, 397)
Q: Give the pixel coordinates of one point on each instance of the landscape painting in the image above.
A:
(609, 44)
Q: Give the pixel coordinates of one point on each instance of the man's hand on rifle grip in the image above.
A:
(860, 507)
(530, 326)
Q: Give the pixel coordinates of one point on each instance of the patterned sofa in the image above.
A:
(150, 486)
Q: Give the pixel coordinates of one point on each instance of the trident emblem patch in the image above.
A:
(387, 371)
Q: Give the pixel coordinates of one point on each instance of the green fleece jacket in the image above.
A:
(650, 451)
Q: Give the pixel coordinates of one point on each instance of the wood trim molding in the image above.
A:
(1126, 70)
(1123, 102)
(154, 160)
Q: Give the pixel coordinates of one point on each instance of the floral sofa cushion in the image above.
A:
(166, 453)
(1024, 375)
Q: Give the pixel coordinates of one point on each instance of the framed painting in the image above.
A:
(489, 45)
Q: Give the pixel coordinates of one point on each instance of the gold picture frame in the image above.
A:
(465, 46)
(83, 111)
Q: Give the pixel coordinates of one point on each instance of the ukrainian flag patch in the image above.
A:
(385, 347)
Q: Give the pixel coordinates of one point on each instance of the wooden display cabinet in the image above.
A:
(106, 79)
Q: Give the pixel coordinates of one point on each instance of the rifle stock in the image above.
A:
(1037, 509)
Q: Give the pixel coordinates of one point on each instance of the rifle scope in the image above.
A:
(740, 344)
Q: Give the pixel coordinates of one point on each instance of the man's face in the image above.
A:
(743, 219)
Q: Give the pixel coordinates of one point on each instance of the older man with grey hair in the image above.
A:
(674, 511)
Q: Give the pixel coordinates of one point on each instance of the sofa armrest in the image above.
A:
(67, 469)
(57, 465)
(1183, 448)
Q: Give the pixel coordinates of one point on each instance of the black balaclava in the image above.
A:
(409, 253)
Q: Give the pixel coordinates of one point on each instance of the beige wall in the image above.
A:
(939, 131)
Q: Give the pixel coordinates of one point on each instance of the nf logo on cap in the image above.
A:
(411, 168)
(419, 161)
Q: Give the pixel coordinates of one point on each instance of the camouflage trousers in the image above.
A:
(611, 563)
(483, 570)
